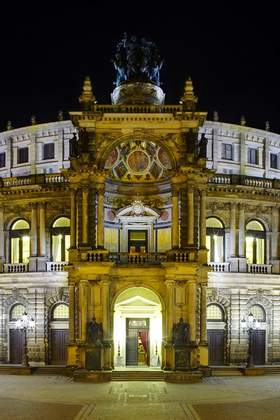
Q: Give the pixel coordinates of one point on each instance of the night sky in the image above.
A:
(230, 51)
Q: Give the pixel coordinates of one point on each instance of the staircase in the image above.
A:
(138, 375)
(225, 371)
(53, 370)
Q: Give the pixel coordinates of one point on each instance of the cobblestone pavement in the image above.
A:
(58, 397)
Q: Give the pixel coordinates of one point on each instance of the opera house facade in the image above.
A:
(139, 233)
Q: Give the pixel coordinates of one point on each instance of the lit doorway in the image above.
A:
(137, 328)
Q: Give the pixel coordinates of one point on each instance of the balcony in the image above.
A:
(249, 181)
(219, 267)
(136, 258)
(56, 266)
(16, 268)
(259, 268)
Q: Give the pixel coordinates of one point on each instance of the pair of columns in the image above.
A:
(190, 217)
(192, 305)
(38, 230)
(87, 222)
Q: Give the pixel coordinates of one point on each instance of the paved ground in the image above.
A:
(57, 397)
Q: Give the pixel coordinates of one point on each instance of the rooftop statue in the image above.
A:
(137, 60)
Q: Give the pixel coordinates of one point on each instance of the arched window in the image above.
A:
(214, 313)
(60, 232)
(16, 311)
(255, 242)
(215, 234)
(258, 312)
(60, 312)
(20, 241)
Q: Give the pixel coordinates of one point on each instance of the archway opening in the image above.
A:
(137, 329)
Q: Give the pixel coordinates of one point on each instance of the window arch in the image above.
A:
(214, 312)
(215, 239)
(60, 312)
(258, 312)
(20, 241)
(16, 311)
(60, 233)
(255, 242)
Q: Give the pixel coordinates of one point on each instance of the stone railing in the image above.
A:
(259, 268)
(249, 181)
(137, 257)
(32, 180)
(143, 109)
(220, 267)
(16, 268)
(56, 266)
(95, 255)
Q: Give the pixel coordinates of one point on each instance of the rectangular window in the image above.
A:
(227, 151)
(273, 161)
(2, 160)
(253, 156)
(48, 151)
(22, 155)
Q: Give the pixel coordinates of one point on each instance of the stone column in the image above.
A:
(190, 216)
(71, 312)
(275, 233)
(233, 230)
(33, 231)
(85, 217)
(42, 230)
(203, 318)
(170, 289)
(105, 308)
(83, 309)
(2, 239)
(73, 219)
(202, 232)
(100, 216)
(175, 218)
(192, 309)
(241, 241)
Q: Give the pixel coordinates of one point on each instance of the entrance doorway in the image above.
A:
(59, 342)
(137, 342)
(137, 328)
(216, 347)
(258, 347)
(16, 346)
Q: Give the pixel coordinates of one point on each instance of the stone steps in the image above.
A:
(137, 375)
(226, 371)
(53, 370)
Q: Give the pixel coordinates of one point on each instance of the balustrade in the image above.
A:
(259, 268)
(56, 266)
(16, 268)
(220, 267)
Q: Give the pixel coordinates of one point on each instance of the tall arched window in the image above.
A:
(258, 312)
(215, 234)
(255, 242)
(16, 311)
(60, 312)
(20, 241)
(214, 313)
(60, 239)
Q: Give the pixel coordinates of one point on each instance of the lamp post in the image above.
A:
(24, 323)
(250, 324)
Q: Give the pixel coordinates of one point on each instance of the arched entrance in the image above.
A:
(137, 328)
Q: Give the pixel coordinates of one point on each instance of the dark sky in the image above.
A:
(230, 50)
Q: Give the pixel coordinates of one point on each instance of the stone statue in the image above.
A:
(137, 60)
(202, 147)
(74, 148)
(94, 332)
(180, 333)
(83, 140)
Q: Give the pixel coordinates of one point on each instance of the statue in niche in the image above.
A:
(202, 147)
(137, 60)
(180, 333)
(94, 332)
(74, 147)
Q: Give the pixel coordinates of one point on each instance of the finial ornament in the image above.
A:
(267, 126)
(189, 100)
(33, 120)
(60, 116)
(9, 125)
(215, 116)
(242, 120)
(87, 98)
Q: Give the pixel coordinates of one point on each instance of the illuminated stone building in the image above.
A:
(124, 214)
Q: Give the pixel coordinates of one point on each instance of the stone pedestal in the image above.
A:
(94, 357)
(182, 358)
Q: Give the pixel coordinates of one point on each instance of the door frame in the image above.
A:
(147, 319)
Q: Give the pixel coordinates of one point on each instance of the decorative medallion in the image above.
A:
(138, 161)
